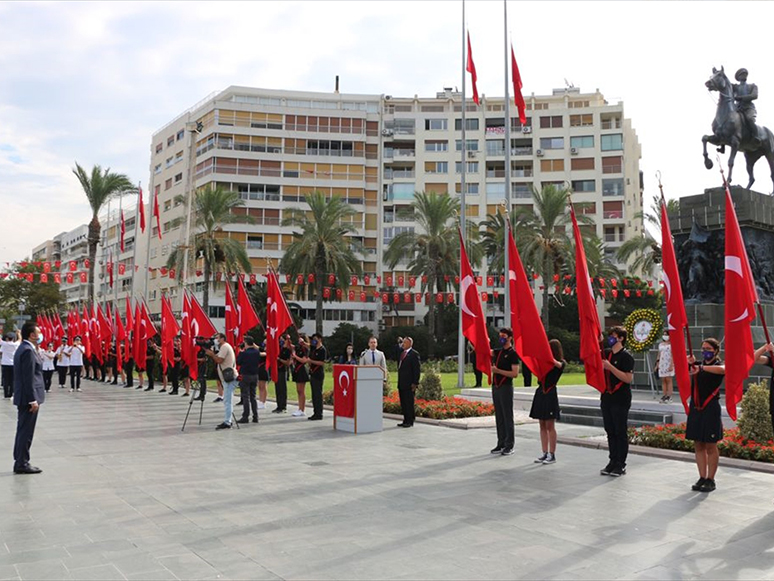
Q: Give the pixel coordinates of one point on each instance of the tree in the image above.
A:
(323, 244)
(37, 297)
(212, 209)
(645, 251)
(597, 262)
(493, 237)
(347, 333)
(99, 187)
(434, 251)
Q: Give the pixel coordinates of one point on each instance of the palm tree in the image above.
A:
(544, 234)
(212, 209)
(99, 187)
(434, 251)
(322, 245)
(493, 238)
(646, 250)
(597, 262)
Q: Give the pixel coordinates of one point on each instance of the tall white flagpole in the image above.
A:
(463, 208)
(506, 264)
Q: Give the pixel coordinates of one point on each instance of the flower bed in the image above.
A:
(672, 437)
(447, 408)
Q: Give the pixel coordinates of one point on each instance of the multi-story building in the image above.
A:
(48, 251)
(273, 147)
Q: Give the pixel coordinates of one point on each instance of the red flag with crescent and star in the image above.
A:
(677, 320)
(232, 316)
(741, 296)
(278, 319)
(188, 340)
(471, 68)
(141, 208)
(247, 318)
(344, 391)
(473, 321)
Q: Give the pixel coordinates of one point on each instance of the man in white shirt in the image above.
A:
(226, 360)
(8, 346)
(63, 363)
(372, 356)
(76, 354)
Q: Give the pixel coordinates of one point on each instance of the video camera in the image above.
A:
(205, 343)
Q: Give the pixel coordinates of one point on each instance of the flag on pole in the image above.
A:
(471, 68)
(157, 214)
(85, 335)
(169, 330)
(518, 98)
(590, 329)
(232, 318)
(138, 347)
(123, 230)
(741, 296)
(529, 335)
(120, 338)
(188, 340)
(201, 325)
(141, 211)
(247, 318)
(473, 320)
(278, 318)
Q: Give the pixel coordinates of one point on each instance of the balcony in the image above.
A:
(521, 173)
(398, 153)
(612, 168)
(521, 151)
(611, 124)
(613, 215)
(390, 174)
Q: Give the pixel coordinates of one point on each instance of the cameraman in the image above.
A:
(226, 361)
(248, 361)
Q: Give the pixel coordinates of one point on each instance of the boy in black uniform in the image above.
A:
(283, 364)
(317, 358)
(505, 366)
(616, 401)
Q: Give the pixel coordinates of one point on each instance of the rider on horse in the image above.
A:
(744, 95)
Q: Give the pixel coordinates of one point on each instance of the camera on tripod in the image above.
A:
(205, 343)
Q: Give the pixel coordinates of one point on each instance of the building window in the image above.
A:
(582, 163)
(586, 120)
(436, 145)
(470, 167)
(551, 165)
(579, 104)
(582, 141)
(540, 106)
(495, 191)
(402, 191)
(179, 157)
(153, 251)
(612, 142)
(613, 187)
(165, 248)
(217, 312)
(470, 188)
(167, 205)
(551, 122)
(470, 144)
(180, 134)
(552, 143)
(157, 189)
(255, 242)
(169, 162)
(168, 184)
(470, 124)
(159, 147)
(436, 124)
(437, 167)
(157, 169)
(179, 178)
(612, 164)
(170, 140)
(584, 185)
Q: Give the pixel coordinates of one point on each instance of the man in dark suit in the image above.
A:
(408, 380)
(29, 393)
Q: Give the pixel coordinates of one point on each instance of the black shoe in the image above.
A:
(314, 417)
(223, 426)
(496, 450)
(185, 395)
(243, 421)
(163, 390)
(406, 425)
(699, 483)
(148, 389)
(607, 469)
(173, 392)
(507, 452)
(115, 383)
(401, 425)
(199, 398)
(217, 399)
(138, 387)
(278, 411)
(708, 486)
(618, 471)
(27, 470)
(255, 420)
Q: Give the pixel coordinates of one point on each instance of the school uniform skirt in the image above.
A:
(705, 425)
(545, 406)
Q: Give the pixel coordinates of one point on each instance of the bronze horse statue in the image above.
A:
(729, 128)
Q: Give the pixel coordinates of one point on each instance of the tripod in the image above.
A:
(194, 390)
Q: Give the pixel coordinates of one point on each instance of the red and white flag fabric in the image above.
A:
(169, 330)
(128, 328)
(518, 98)
(123, 230)
(201, 325)
(343, 390)
(120, 338)
(529, 335)
(138, 345)
(109, 268)
(473, 320)
(471, 68)
(278, 318)
(247, 318)
(232, 318)
(741, 296)
(677, 319)
(85, 334)
(141, 211)
(157, 214)
(590, 329)
(188, 340)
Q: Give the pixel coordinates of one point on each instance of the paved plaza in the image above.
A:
(125, 495)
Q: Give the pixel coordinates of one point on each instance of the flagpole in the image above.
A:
(507, 290)
(147, 250)
(463, 212)
(137, 233)
(186, 241)
(121, 226)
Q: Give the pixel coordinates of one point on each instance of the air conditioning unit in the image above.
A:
(386, 308)
(573, 151)
(539, 153)
(526, 129)
(471, 154)
(387, 132)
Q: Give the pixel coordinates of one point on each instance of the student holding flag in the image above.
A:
(505, 366)
(615, 402)
(545, 405)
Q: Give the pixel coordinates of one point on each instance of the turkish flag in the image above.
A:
(46, 267)
(169, 330)
(201, 325)
(138, 346)
(121, 269)
(232, 318)
(84, 332)
(157, 214)
(278, 319)
(141, 210)
(590, 329)
(518, 98)
(529, 335)
(84, 277)
(44, 277)
(473, 320)
(73, 265)
(188, 340)
(58, 278)
(105, 325)
(344, 391)
(471, 68)
(741, 297)
(247, 318)
(120, 337)
(110, 271)
(123, 229)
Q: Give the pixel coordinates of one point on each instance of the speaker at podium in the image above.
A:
(357, 398)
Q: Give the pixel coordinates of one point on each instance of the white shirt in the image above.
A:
(76, 355)
(47, 357)
(8, 349)
(64, 359)
(226, 352)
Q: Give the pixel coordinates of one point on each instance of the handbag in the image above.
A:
(228, 374)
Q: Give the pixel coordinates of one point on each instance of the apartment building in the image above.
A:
(376, 151)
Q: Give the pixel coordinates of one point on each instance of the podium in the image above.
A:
(357, 398)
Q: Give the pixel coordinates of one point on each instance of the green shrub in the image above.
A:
(755, 420)
(328, 397)
(430, 387)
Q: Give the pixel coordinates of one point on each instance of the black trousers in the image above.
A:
(75, 377)
(62, 375)
(47, 378)
(202, 379)
(281, 389)
(407, 404)
(150, 367)
(7, 379)
(25, 430)
(317, 395)
(247, 388)
(527, 373)
(615, 418)
(129, 371)
(503, 405)
(476, 371)
(174, 376)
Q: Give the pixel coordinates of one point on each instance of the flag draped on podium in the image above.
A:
(344, 391)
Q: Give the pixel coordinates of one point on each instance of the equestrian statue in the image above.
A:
(734, 124)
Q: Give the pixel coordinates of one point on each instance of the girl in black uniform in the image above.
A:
(300, 374)
(545, 405)
(263, 378)
(704, 426)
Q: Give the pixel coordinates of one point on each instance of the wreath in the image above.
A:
(637, 324)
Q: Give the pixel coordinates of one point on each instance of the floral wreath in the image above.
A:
(650, 315)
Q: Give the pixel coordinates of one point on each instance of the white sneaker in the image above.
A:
(298, 414)
(261, 405)
(77, 389)
(71, 390)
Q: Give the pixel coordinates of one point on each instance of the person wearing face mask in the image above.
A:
(63, 362)
(227, 372)
(29, 394)
(300, 374)
(704, 425)
(505, 366)
(349, 357)
(765, 356)
(76, 355)
(317, 357)
(615, 402)
(47, 356)
(666, 368)
(284, 363)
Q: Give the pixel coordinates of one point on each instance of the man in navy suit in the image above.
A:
(408, 380)
(29, 392)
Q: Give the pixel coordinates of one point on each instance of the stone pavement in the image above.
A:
(125, 494)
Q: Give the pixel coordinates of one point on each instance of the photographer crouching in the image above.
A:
(226, 362)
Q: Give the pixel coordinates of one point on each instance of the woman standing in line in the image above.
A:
(545, 405)
(263, 378)
(63, 363)
(704, 425)
(76, 354)
(300, 374)
(666, 368)
(47, 356)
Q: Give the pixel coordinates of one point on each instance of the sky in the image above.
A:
(90, 82)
